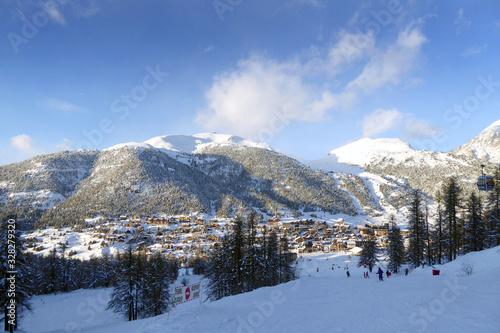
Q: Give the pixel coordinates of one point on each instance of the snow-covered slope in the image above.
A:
(322, 300)
(352, 157)
(484, 146)
(192, 143)
(365, 151)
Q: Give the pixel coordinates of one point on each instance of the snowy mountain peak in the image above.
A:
(364, 151)
(484, 146)
(492, 129)
(193, 143)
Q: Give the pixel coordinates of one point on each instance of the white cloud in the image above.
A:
(380, 121)
(349, 48)
(53, 12)
(250, 98)
(85, 9)
(390, 66)
(461, 21)
(472, 51)
(22, 142)
(411, 127)
(58, 105)
(65, 145)
(416, 128)
(209, 48)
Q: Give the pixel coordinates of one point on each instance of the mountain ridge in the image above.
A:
(222, 174)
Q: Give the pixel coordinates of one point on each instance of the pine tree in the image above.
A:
(288, 267)
(252, 263)
(396, 250)
(219, 271)
(451, 193)
(475, 234)
(124, 295)
(14, 271)
(155, 293)
(438, 235)
(272, 260)
(368, 254)
(492, 214)
(417, 230)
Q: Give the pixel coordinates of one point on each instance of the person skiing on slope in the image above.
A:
(348, 274)
(380, 273)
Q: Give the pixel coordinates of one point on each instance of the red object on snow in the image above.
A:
(435, 272)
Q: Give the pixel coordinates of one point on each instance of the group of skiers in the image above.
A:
(380, 273)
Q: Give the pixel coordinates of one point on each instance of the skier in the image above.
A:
(406, 271)
(348, 274)
(367, 276)
(380, 273)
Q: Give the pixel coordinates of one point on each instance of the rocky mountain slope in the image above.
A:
(221, 175)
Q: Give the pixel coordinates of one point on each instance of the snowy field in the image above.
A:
(322, 300)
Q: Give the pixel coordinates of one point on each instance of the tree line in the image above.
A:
(463, 223)
(243, 262)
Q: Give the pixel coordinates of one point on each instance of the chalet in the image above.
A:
(356, 251)
(350, 244)
(405, 233)
(381, 232)
(365, 231)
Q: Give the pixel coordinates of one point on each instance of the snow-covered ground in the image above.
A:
(322, 300)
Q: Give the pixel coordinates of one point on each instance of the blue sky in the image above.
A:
(305, 76)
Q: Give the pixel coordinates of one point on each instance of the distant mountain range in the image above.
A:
(222, 175)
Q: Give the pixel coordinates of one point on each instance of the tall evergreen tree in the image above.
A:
(475, 234)
(417, 230)
(396, 250)
(287, 264)
(219, 271)
(492, 214)
(368, 254)
(125, 294)
(438, 235)
(156, 290)
(451, 195)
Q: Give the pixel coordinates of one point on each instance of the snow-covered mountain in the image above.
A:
(191, 144)
(221, 174)
(484, 146)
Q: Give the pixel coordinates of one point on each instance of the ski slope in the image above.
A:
(322, 300)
